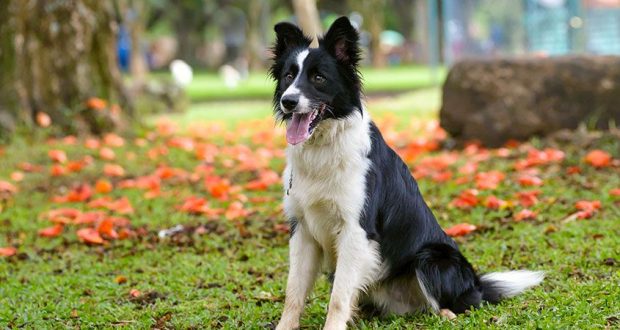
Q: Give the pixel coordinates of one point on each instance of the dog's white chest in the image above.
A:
(328, 186)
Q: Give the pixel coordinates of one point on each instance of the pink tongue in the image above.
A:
(297, 130)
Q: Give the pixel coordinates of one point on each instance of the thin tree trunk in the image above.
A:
(308, 18)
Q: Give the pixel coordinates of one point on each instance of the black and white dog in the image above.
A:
(354, 208)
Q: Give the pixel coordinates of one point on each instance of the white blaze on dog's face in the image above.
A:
(315, 84)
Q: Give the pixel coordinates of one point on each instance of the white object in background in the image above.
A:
(230, 75)
(181, 73)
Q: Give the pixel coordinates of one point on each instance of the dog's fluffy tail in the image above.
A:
(497, 286)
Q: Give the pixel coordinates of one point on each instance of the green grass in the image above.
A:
(222, 279)
(208, 86)
(422, 103)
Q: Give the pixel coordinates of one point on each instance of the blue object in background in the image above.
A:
(123, 48)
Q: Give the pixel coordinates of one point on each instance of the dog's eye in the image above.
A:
(318, 79)
(289, 77)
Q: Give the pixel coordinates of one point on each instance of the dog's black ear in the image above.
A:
(287, 37)
(341, 40)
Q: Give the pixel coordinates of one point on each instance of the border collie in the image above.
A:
(354, 208)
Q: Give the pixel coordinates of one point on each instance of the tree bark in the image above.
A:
(8, 100)
(372, 11)
(63, 53)
(308, 17)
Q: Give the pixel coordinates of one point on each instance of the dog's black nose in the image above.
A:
(289, 102)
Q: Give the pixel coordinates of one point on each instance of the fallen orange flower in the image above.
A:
(235, 210)
(489, 180)
(113, 140)
(64, 215)
(528, 198)
(598, 158)
(113, 170)
(16, 176)
(467, 199)
(58, 170)
(217, 187)
(494, 203)
(460, 229)
(107, 153)
(57, 156)
(529, 180)
(7, 251)
(106, 228)
(7, 187)
(90, 236)
(52, 231)
(43, 119)
(103, 186)
(525, 214)
(96, 103)
(80, 193)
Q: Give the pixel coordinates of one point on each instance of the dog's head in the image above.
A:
(315, 84)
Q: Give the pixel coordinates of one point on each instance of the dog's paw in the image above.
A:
(283, 325)
(448, 314)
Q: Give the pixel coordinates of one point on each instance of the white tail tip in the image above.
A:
(513, 282)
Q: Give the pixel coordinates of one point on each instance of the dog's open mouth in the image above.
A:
(301, 125)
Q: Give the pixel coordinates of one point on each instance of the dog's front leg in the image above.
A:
(356, 268)
(304, 267)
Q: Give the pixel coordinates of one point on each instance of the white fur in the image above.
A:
(304, 254)
(513, 282)
(327, 198)
(304, 102)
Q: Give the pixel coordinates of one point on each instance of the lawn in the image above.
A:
(225, 265)
(208, 86)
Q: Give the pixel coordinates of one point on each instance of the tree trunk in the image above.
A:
(308, 17)
(136, 23)
(372, 11)
(8, 101)
(63, 55)
(258, 13)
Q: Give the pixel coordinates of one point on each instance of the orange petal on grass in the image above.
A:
(7, 187)
(584, 205)
(235, 210)
(135, 293)
(494, 203)
(598, 158)
(96, 103)
(7, 251)
(615, 192)
(525, 214)
(58, 156)
(52, 231)
(460, 229)
(467, 199)
(527, 180)
(106, 228)
(113, 170)
(107, 153)
(64, 215)
(17, 176)
(43, 119)
(89, 235)
(58, 170)
(113, 140)
(103, 186)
